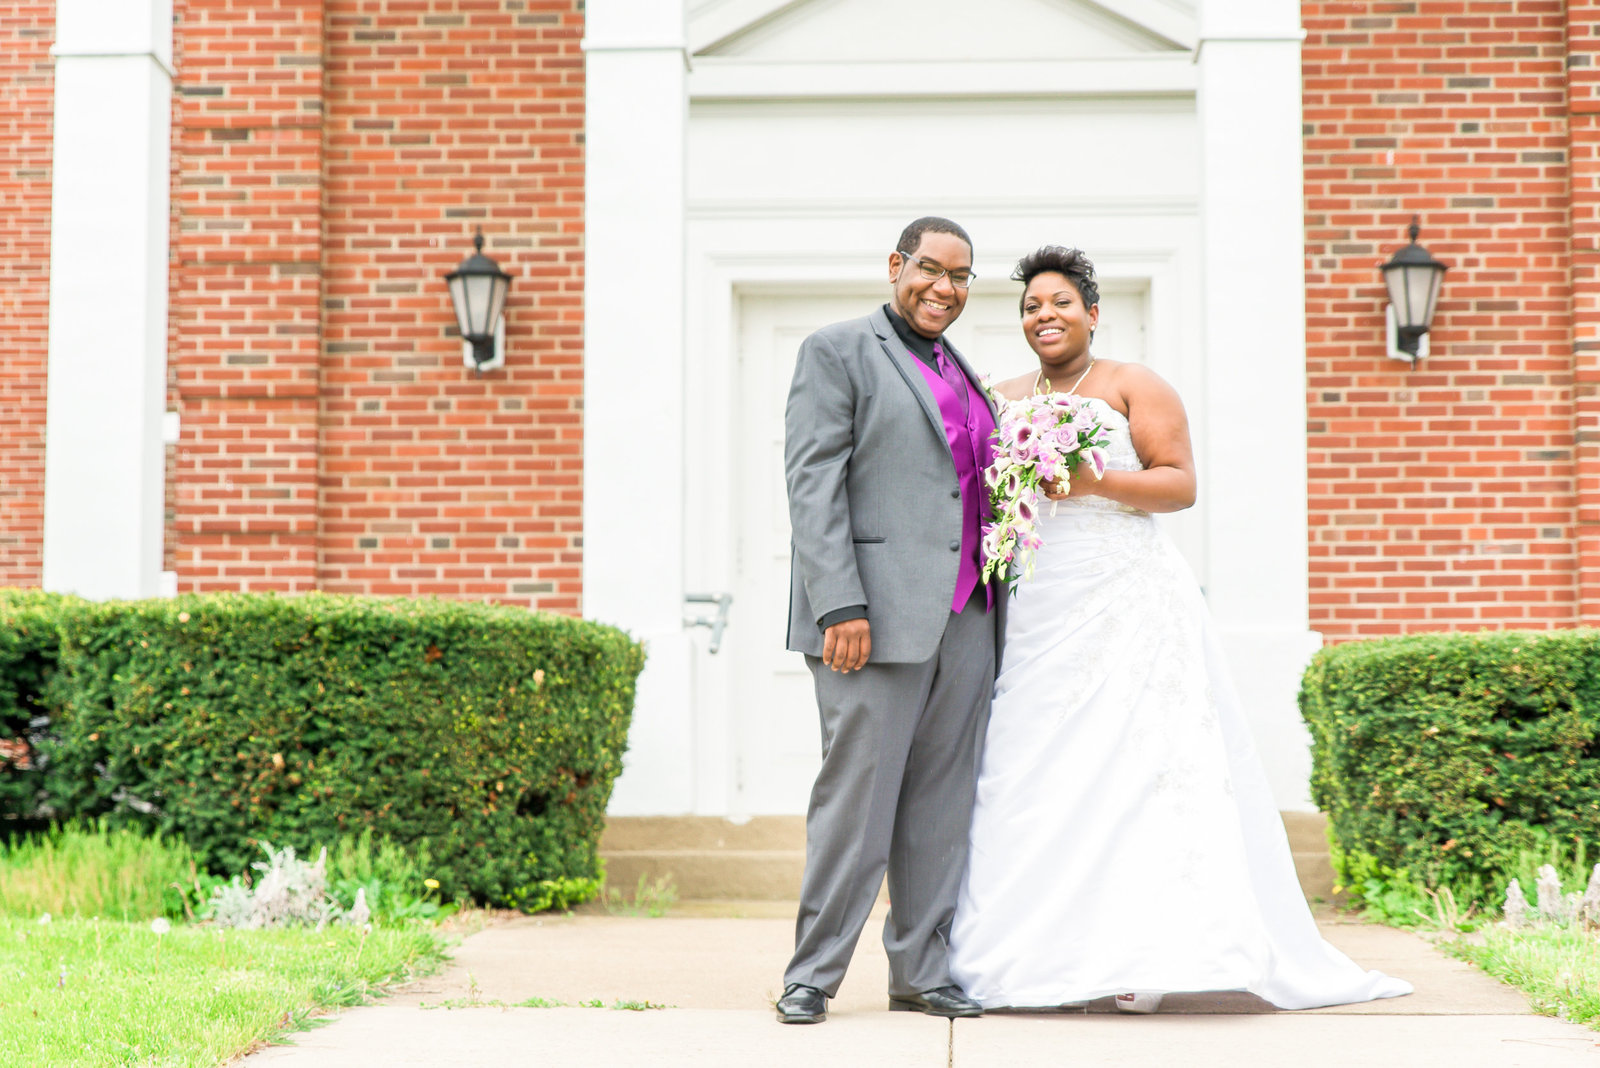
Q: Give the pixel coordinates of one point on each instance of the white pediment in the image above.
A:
(823, 31)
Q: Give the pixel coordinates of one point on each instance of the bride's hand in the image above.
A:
(1084, 483)
(1081, 484)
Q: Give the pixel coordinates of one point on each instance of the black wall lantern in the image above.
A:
(1413, 278)
(478, 291)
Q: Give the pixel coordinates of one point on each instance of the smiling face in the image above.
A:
(1054, 319)
(930, 306)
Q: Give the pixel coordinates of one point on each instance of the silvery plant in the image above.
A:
(1551, 905)
(288, 892)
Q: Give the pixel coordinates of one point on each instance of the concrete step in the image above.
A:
(708, 857)
(761, 859)
(1308, 841)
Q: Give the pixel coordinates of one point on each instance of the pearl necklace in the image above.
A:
(1040, 378)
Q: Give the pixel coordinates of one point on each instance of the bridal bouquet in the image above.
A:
(1039, 439)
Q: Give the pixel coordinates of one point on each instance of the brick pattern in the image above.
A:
(443, 117)
(1442, 497)
(246, 282)
(1583, 95)
(27, 30)
(331, 158)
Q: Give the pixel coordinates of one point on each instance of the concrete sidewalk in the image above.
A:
(718, 966)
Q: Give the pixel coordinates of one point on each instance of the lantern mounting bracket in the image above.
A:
(498, 360)
(1391, 334)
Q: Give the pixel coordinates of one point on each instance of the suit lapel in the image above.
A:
(906, 364)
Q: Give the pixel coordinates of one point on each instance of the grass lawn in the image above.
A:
(1558, 968)
(96, 992)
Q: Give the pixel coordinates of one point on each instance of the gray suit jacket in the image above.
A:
(874, 502)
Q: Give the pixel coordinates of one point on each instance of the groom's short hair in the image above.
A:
(911, 236)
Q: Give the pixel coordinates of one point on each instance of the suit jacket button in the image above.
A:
(955, 493)
(955, 546)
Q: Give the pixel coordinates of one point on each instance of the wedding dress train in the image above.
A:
(1125, 839)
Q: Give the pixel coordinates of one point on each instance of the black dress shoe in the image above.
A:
(948, 1001)
(802, 1004)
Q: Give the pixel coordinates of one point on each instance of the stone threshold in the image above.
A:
(761, 858)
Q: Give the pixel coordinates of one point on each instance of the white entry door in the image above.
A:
(774, 739)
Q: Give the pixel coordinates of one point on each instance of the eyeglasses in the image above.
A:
(961, 277)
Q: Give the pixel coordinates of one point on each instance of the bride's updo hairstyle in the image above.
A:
(1070, 262)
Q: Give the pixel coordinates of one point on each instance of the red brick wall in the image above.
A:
(1583, 94)
(246, 280)
(442, 117)
(332, 158)
(28, 74)
(1443, 497)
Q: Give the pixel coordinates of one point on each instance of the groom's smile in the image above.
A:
(930, 305)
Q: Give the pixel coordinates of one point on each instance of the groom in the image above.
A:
(886, 440)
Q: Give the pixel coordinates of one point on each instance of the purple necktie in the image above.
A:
(953, 377)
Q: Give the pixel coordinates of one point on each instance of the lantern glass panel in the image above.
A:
(1427, 280)
(458, 300)
(497, 302)
(478, 302)
(1413, 290)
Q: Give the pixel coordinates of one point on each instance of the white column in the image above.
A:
(1253, 220)
(634, 291)
(108, 297)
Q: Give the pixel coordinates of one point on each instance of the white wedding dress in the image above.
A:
(1125, 839)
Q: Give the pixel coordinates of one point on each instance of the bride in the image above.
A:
(1125, 841)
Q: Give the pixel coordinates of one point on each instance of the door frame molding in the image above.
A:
(736, 256)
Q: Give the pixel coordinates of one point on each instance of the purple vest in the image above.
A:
(970, 448)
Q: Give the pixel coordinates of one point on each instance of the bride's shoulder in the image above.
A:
(1123, 371)
(1141, 394)
(1135, 379)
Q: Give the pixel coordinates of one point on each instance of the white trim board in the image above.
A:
(862, 208)
(1168, 74)
(715, 23)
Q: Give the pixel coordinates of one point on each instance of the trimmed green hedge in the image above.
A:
(30, 641)
(1446, 755)
(491, 732)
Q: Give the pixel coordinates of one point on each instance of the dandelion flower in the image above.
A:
(44, 919)
(431, 884)
(160, 926)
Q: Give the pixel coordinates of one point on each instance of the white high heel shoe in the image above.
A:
(1140, 1004)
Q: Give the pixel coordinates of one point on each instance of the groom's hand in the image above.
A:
(846, 646)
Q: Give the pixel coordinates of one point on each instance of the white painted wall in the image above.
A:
(799, 167)
(782, 204)
(1254, 266)
(633, 375)
(108, 297)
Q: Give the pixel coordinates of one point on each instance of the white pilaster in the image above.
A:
(637, 110)
(1252, 215)
(108, 297)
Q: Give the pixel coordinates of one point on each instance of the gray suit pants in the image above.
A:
(900, 751)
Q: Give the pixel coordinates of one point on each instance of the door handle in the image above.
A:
(718, 623)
